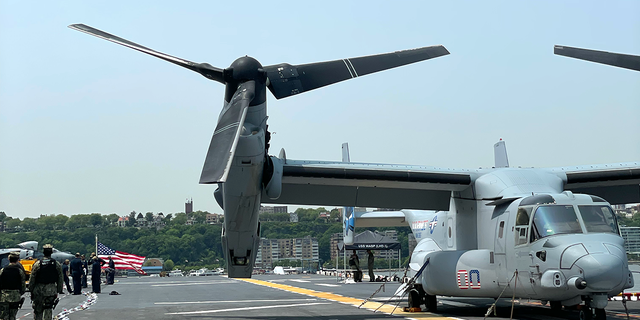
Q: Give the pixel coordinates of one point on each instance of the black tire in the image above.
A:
(555, 305)
(601, 314)
(585, 314)
(414, 299)
(431, 302)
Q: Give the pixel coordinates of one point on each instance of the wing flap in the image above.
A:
(380, 219)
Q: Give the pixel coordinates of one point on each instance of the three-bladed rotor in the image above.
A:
(246, 81)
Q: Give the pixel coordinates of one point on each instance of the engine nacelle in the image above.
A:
(29, 245)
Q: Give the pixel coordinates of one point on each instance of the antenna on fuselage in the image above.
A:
(500, 154)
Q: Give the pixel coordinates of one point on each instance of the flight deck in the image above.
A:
(283, 297)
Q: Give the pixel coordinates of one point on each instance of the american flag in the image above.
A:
(122, 260)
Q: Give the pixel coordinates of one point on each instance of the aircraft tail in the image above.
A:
(500, 154)
(348, 224)
(421, 221)
(348, 216)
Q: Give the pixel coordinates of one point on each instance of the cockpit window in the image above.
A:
(555, 219)
(522, 218)
(598, 219)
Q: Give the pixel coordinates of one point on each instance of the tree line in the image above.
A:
(187, 246)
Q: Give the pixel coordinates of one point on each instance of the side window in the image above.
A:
(501, 230)
(522, 226)
(521, 235)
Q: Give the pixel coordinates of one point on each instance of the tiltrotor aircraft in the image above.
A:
(29, 250)
(237, 159)
(551, 225)
(526, 232)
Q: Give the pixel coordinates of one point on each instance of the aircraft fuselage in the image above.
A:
(532, 240)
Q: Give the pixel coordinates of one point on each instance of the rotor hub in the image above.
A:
(247, 68)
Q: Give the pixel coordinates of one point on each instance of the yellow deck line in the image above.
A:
(384, 308)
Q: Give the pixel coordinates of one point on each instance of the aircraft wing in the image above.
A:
(369, 185)
(618, 183)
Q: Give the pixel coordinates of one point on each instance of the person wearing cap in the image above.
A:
(85, 270)
(76, 274)
(45, 283)
(65, 274)
(12, 287)
(96, 268)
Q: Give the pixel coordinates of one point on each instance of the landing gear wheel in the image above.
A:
(414, 299)
(555, 305)
(601, 314)
(431, 302)
(586, 314)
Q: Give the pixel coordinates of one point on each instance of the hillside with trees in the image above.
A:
(187, 246)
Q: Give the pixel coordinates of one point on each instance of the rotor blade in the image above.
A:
(225, 138)
(205, 69)
(613, 59)
(287, 80)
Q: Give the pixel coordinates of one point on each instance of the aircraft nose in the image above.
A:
(602, 271)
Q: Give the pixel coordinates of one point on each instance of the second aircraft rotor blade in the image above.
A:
(205, 69)
(225, 138)
(287, 80)
(626, 61)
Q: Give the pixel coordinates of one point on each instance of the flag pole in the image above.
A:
(96, 244)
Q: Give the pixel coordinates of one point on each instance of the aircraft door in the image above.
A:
(499, 250)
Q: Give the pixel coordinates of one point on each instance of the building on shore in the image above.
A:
(271, 251)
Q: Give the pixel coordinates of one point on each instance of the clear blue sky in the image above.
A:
(90, 126)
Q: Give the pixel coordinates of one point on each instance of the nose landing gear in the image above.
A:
(589, 313)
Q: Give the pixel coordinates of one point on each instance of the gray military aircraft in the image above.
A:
(541, 233)
(29, 250)
(238, 159)
(626, 61)
(524, 231)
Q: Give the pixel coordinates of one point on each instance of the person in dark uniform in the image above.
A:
(85, 271)
(12, 287)
(76, 274)
(45, 283)
(112, 271)
(370, 260)
(65, 274)
(96, 268)
(354, 262)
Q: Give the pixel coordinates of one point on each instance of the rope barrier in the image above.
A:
(493, 306)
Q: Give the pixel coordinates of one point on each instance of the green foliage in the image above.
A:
(271, 217)
(179, 219)
(186, 246)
